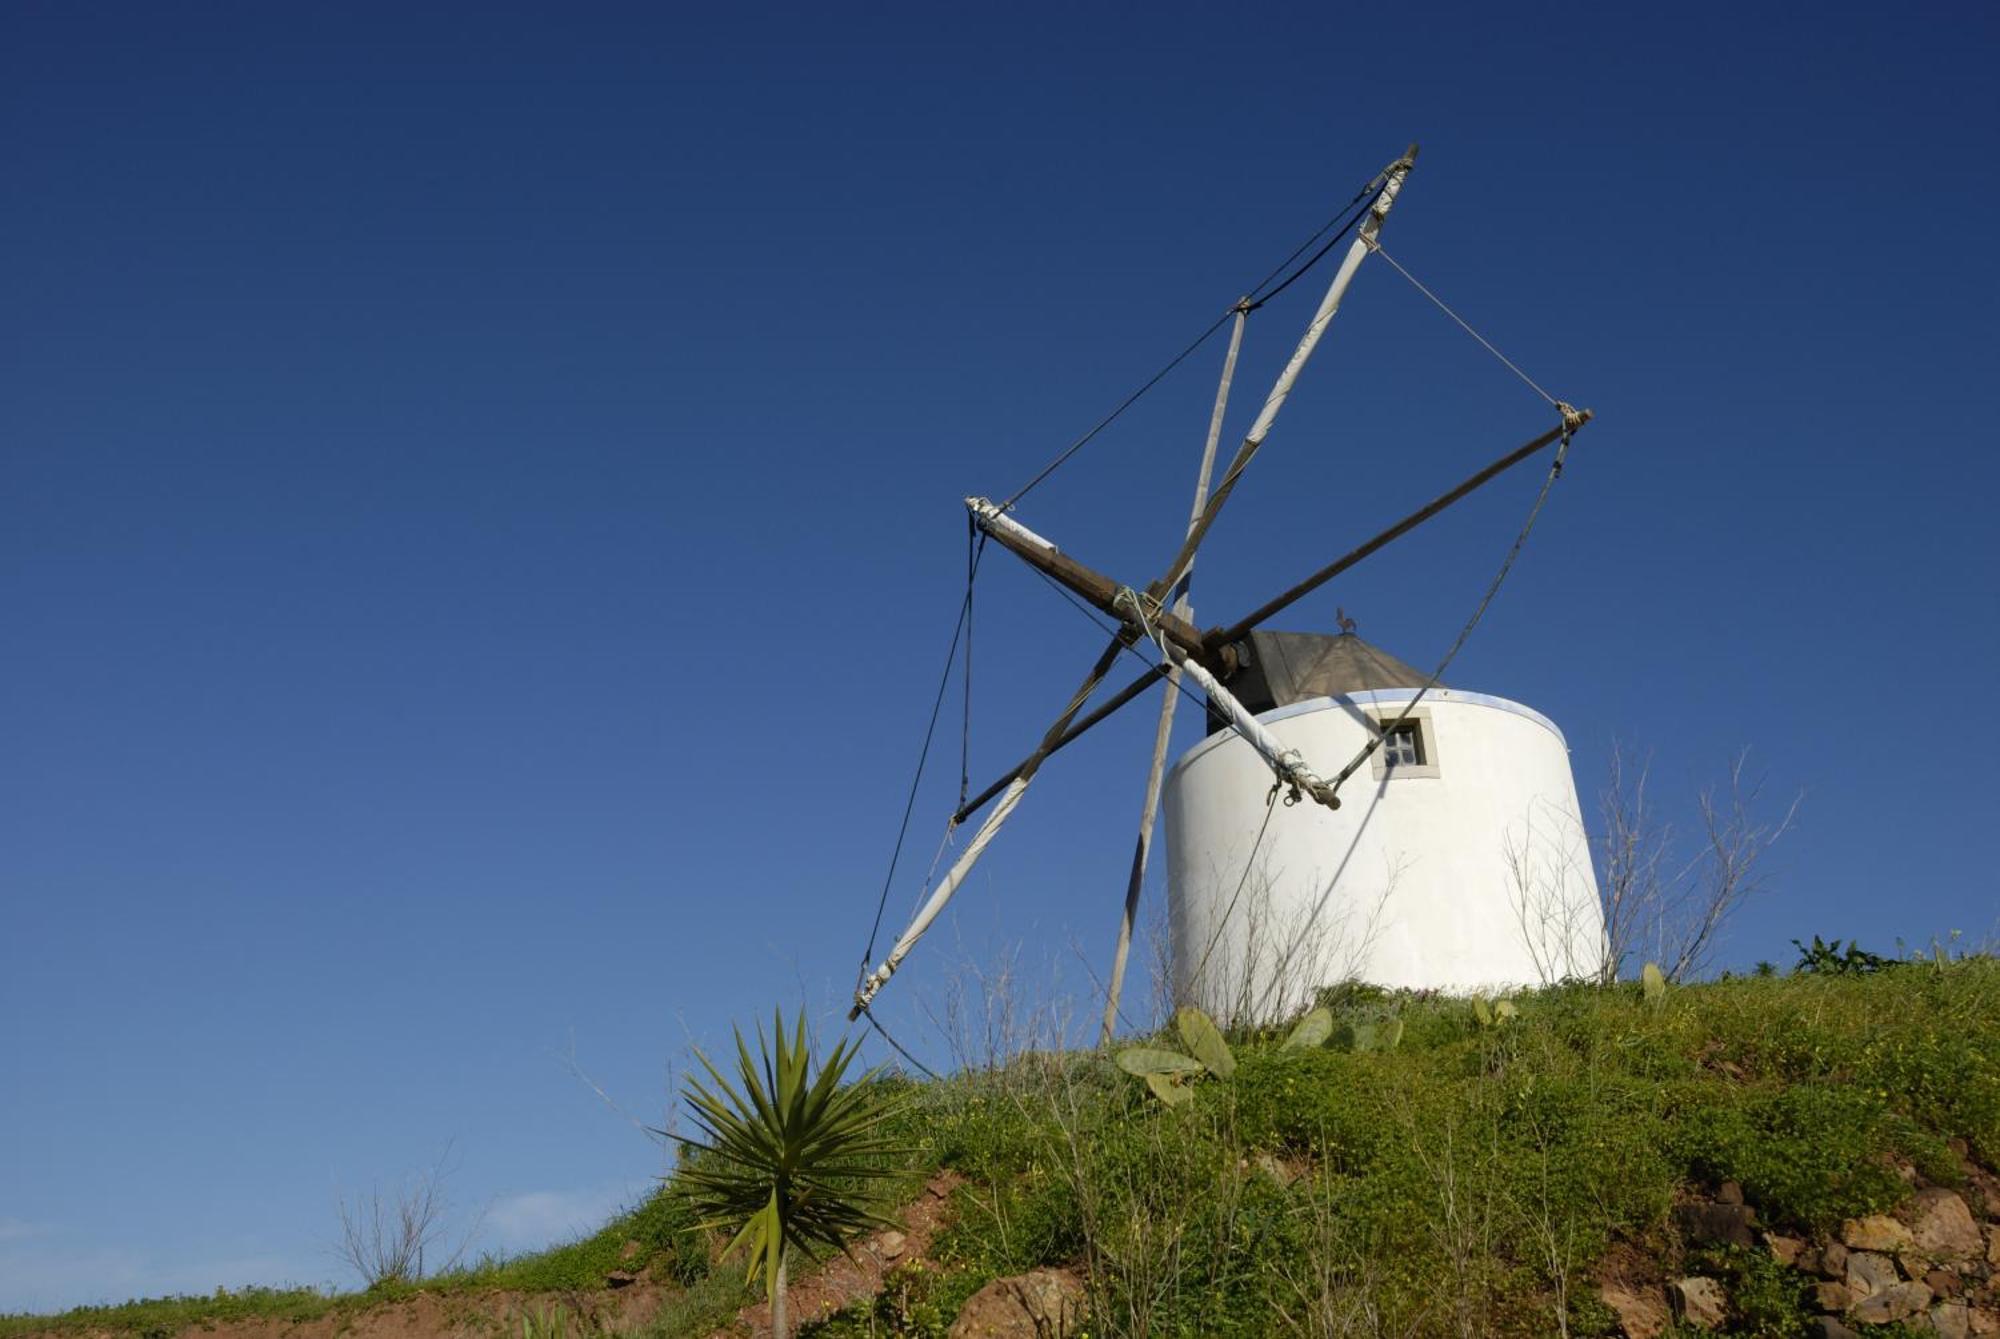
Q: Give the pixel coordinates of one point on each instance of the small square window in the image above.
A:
(1407, 749)
(1403, 745)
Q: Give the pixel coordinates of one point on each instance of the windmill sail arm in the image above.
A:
(1016, 788)
(1121, 698)
(934, 904)
(1217, 639)
(1281, 390)
(1088, 584)
(1286, 764)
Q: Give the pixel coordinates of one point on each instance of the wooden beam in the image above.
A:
(1017, 787)
(1088, 584)
(1068, 736)
(1220, 638)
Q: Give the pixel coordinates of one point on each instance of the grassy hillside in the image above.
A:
(1475, 1179)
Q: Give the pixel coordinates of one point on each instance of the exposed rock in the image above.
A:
(620, 1278)
(1942, 1226)
(1729, 1192)
(1642, 1314)
(1829, 1328)
(1277, 1169)
(1984, 1322)
(1785, 1250)
(892, 1244)
(1944, 1283)
(1951, 1320)
(1716, 1224)
(1041, 1304)
(1833, 1260)
(1869, 1273)
(1892, 1304)
(1876, 1232)
(1699, 1302)
(1808, 1260)
(1993, 1245)
(1832, 1296)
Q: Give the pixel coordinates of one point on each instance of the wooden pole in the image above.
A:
(1183, 608)
(1218, 638)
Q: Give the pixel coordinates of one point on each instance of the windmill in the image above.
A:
(1157, 615)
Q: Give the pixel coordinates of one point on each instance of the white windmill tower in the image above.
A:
(1410, 863)
(1457, 860)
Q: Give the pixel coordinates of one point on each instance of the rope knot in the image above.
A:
(1137, 607)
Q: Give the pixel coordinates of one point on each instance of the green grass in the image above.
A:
(1468, 1180)
(162, 1316)
(1472, 1178)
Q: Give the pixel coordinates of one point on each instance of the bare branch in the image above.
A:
(388, 1240)
(1669, 907)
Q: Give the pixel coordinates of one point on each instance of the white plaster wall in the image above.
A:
(1478, 878)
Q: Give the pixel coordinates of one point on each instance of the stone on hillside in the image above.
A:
(1869, 1273)
(1942, 1226)
(892, 1244)
(1984, 1322)
(1729, 1192)
(1876, 1232)
(1785, 1250)
(620, 1278)
(1944, 1283)
(1716, 1224)
(1832, 1296)
(1993, 1245)
(1041, 1304)
(1830, 1328)
(1641, 1314)
(1952, 1320)
(1700, 1302)
(1892, 1304)
(1833, 1260)
(1283, 1173)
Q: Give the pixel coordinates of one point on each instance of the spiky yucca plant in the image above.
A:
(786, 1159)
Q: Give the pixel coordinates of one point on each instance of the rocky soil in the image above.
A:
(1933, 1265)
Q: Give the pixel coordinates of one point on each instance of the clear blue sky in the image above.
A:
(479, 519)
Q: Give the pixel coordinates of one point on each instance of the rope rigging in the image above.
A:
(1349, 215)
(1151, 613)
(1340, 224)
(898, 1047)
(1572, 420)
(1484, 343)
(976, 546)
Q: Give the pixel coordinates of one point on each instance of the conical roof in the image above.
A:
(1276, 669)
